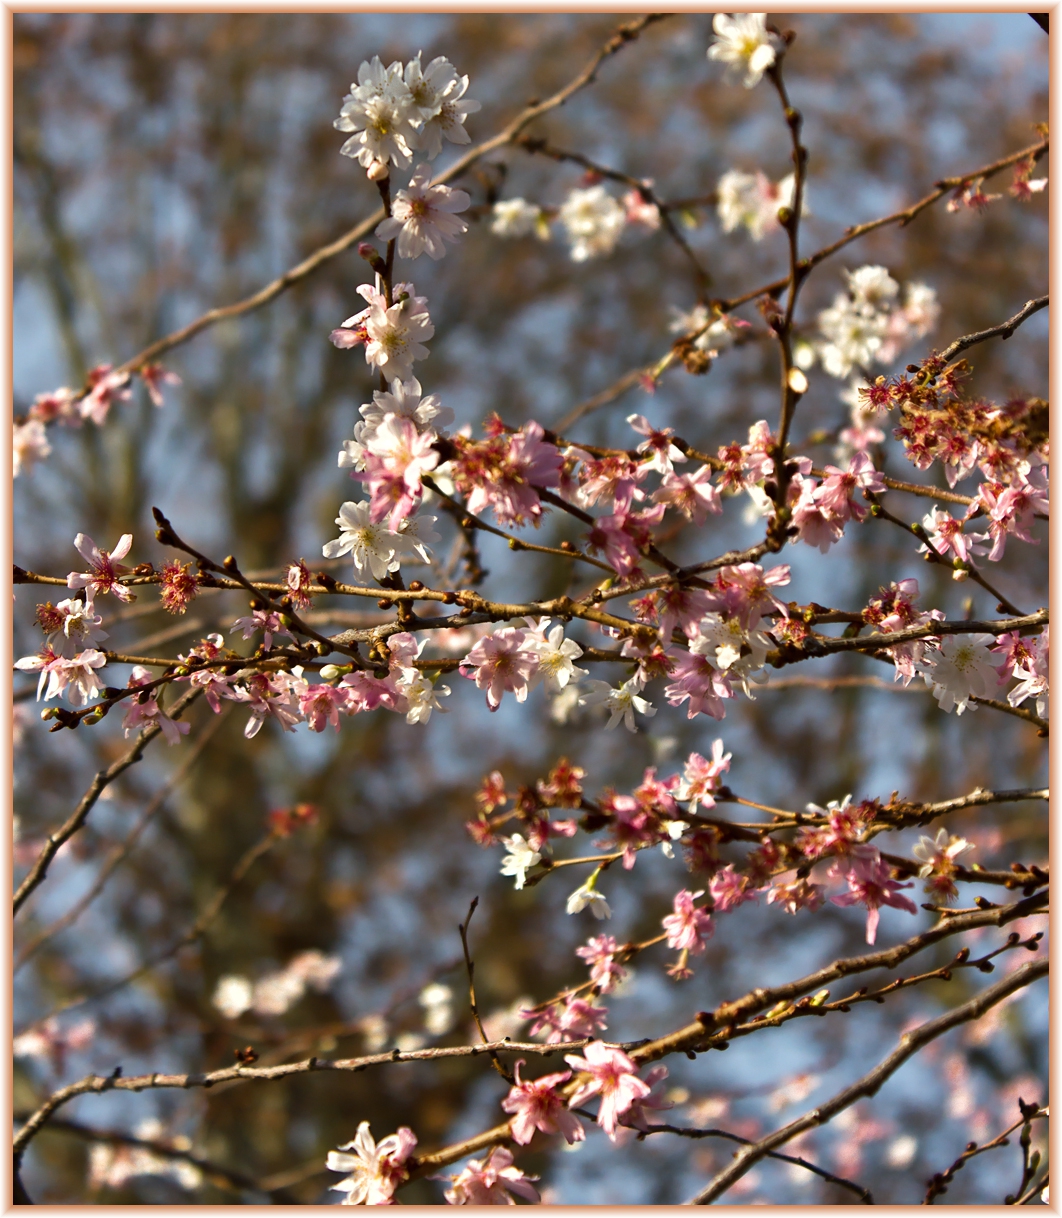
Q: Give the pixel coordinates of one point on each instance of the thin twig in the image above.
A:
(1004, 330)
(471, 969)
(910, 1043)
(862, 1193)
(99, 784)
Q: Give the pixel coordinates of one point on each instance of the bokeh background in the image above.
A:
(168, 163)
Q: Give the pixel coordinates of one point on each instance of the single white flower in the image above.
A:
(414, 535)
(555, 655)
(380, 122)
(744, 45)
(233, 995)
(422, 217)
(962, 669)
(588, 895)
(395, 335)
(372, 546)
(422, 697)
(520, 859)
(593, 221)
(517, 218)
(943, 849)
(621, 702)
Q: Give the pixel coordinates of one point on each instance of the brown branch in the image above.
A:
(1004, 330)
(910, 1044)
(940, 1180)
(470, 967)
(78, 817)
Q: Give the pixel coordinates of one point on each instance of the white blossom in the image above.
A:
(621, 702)
(437, 98)
(520, 859)
(29, 445)
(233, 995)
(753, 200)
(422, 216)
(377, 112)
(587, 895)
(962, 669)
(518, 218)
(406, 400)
(744, 45)
(593, 220)
(555, 655)
(372, 546)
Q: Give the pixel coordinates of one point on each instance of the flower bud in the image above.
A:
(332, 672)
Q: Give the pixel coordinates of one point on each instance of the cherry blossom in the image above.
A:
(107, 387)
(938, 857)
(698, 682)
(556, 655)
(265, 620)
(729, 889)
(71, 625)
(613, 1077)
(422, 217)
(437, 98)
(745, 592)
(688, 928)
(700, 777)
(154, 377)
(518, 218)
(838, 487)
(406, 400)
(599, 953)
(29, 444)
(744, 44)
(506, 660)
(520, 859)
(535, 1104)
(753, 201)
(372, 546)
(105, 568)
(144, 710)
(637, 1115)
(593, 221)
(870, 883)
(620, 702)
(587, 895)
(693, 495)
(490, 1181)
(660, 452)
(376, 1170)
(268, 698)
(376, 111)
(959, 670)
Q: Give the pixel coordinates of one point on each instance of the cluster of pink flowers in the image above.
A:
(503, 471)
(103, 388)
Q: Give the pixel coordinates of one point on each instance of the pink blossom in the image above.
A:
(796, 895)
(264, 620)
(397, 456)
(613, 1076)
(870, 883)
(376, 1170)
(365, 692)
(729, 889)
(104, 568)
(29, 444)
(815, 525)
(700, 777)
(50, 1043)
(268, 698)
(107, 387)
(504, 660)
(321, 704)
(614, 477)
(535, 1104)
(154, 376)
(703, 685)
(490, 1181)
(945, 533)
(598, 953)
(691, 494)
(757, 452)
(678, 606)
(144, 710)
(660, 451)
(60, 404)
(745, 592)
(688, 928)
(422, 216)
(835, 493)
(79, 677)
(641, 211)
(52, 667)
(581, 1018)
(637, 1115)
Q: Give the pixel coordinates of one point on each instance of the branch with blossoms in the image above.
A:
(679, 632)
